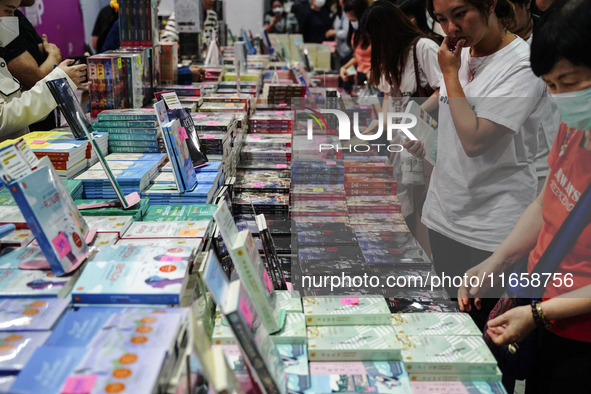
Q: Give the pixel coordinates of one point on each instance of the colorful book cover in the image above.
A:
(447, 354)
(148, 230)
(31, 314)
(51, 218)
(165, 213)
(174, 137)
(34, 283)
(336, 311)
(17, 347)
(260, 352)
(256, 280)
(327, 237)
(353, 343)
(134, 275)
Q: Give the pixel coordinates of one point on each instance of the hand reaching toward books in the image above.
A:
(77, 72)
(415, 148)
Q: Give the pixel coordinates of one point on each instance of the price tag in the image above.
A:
(82, 384)
(281, 165)
(318, 189)
(229, 104)
(62, 246)
(200, 116)
(283, 105)
(183, 134)
(188, 232)
(119, 65)
(258, 184)
(36, 142)
(255, 137)
(171, 259)
(331, 163)
(279, 112)
(208, 137)
(246, 312)
(349, 301)
(379, 164)
(213, 123)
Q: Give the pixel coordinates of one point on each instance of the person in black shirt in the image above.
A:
(299, 9)
(30, 58)
(317, 21)
(104, 22)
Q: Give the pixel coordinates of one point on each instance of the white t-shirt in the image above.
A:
(477, 201)
(429, 74)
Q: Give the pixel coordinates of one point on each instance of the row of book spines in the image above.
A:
(137, 23)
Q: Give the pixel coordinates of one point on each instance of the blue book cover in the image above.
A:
(134, 275)
(30, 314)
(17, 347)
(51, 219)
(175, 137)
(127, 114)
(158, 157)
(32, 283)
(150, 166)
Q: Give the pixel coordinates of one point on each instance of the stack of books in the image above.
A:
(130, 130)
(376, 204)
(271, 122)
(223, 99)
(68, 155)
(222, 107)
(132, 176)
(122, 350)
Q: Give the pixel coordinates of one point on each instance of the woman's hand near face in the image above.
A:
(450, 59)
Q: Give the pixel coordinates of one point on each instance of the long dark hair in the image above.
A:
(416, 9)
(358, 7)
(391, 34)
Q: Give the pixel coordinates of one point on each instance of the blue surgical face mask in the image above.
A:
(355, 25)
(575, 108)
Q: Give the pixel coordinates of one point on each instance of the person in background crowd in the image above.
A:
(543, 5)
(340, 32)
(19, 109)
(317, 21)
(360, 44)
(112, 40)
(104, 22)
(525, 19)
(280, 22)
(416, 11)
(394, 40)
(211, 22)
(523, 26)
(490, 107)
(30, 58)
(560, 55)
(299, 9)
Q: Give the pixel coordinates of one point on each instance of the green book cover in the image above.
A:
(257, 283)
(434, 324)
(137, 211)
(353, 343)
(293, 332)
(447, 354)
(337, 311)
(179, 213)
(456, 377)
(288, 303)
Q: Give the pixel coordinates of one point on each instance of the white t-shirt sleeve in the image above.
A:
(502, 106)
(427, 57)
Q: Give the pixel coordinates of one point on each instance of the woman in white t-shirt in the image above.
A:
(394, 39)
(490, 109)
